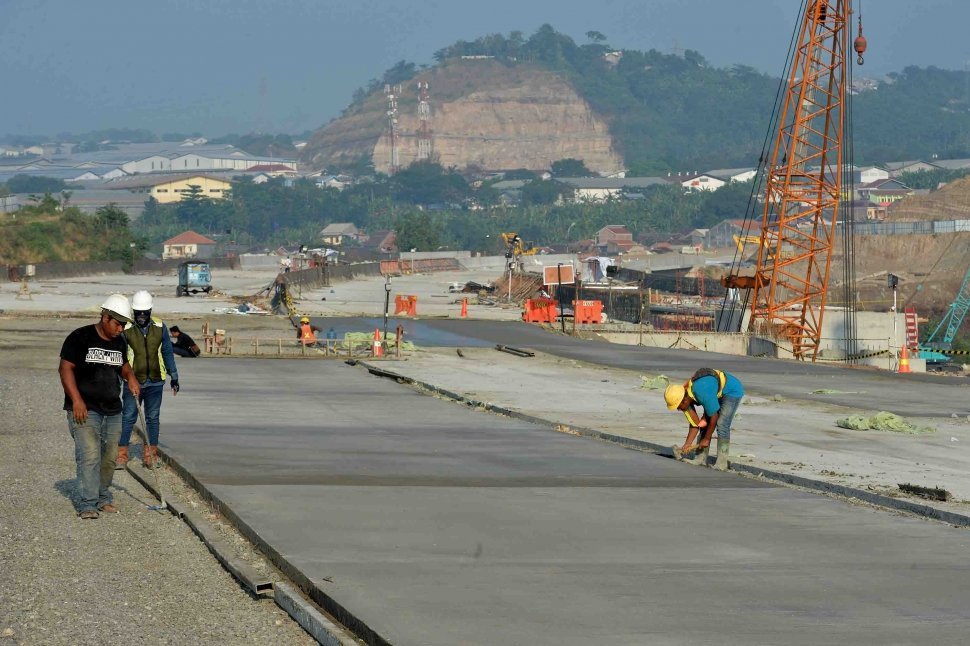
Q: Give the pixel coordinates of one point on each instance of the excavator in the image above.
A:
(517, 247)
(742, 240)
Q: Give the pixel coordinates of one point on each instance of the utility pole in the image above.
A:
(392, 93)
(424, 116)
(387, 301)
(892, 281)
(562, 318)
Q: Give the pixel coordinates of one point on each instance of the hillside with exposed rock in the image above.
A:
(483, 115)
(501, 102)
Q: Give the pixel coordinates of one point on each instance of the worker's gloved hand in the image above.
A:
(175, 386)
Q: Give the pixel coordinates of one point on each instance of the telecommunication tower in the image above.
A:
(424, 116)
(392, 92)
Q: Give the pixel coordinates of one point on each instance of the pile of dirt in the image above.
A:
(930, 269)
(952, 202)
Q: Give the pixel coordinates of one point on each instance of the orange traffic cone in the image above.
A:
(464, 308)
(904, 361)
(378, 346)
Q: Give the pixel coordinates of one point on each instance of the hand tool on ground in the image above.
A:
(144, 435)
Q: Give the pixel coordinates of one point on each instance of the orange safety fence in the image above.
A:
(588, 311)
(540, 310)
(407, 305)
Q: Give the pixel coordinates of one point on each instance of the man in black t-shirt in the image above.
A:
(94, 360)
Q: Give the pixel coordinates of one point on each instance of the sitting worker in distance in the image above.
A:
(719, 394)
(182, 343)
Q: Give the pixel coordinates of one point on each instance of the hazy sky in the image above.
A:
(219, 66)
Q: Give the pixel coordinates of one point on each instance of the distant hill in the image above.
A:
(502, 101)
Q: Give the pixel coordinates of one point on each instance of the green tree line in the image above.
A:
(429, 206)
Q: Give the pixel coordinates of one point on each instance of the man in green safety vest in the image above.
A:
(152, 360)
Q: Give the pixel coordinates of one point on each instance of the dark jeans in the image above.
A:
(182, 352)
(151, 395)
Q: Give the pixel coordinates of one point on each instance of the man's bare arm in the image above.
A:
(79, 408)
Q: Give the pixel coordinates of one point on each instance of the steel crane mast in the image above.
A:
(804, 179)
(957, 311)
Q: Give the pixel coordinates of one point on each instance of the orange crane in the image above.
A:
(803, 179)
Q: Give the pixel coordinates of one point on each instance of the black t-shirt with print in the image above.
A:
(97, 369)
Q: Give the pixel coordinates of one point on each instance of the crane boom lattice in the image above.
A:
(951, 322)
(804, 183)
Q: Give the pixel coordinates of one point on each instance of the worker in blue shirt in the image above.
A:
(719, 394)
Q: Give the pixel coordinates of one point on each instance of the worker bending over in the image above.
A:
(719, 394)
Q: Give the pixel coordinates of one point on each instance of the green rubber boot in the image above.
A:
(723, 455)
(700, 457)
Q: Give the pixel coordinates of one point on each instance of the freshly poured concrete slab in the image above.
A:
(917, 395)
(435, 524)
(794, 436)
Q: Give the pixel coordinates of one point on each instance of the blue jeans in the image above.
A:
(95, 450)
(729, 406)
(151, 395)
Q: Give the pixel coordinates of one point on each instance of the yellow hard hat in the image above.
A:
(304, 319)
(673, 395)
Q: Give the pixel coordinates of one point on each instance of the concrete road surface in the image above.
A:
(916, 395)
(435, 524)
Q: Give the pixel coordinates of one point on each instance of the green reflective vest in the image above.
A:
(145, 352)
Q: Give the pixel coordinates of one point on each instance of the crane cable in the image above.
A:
(849, 291)
(758, 186)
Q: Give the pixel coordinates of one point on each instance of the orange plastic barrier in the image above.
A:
(540, 310)
(407, 305)
(464, 308)
(588, 311)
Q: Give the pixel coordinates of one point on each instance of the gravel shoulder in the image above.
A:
(135, 576)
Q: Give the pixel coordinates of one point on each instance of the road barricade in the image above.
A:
(407, 305)
(588, 311)
(540, 310)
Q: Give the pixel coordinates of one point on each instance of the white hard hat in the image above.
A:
(142, 301)
(118, 307)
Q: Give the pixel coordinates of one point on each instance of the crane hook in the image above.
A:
(859, 45)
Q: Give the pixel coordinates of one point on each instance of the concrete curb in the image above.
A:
(255, 582)
(330, 606)
(286, 597)
(312, 620)
(817, 486)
